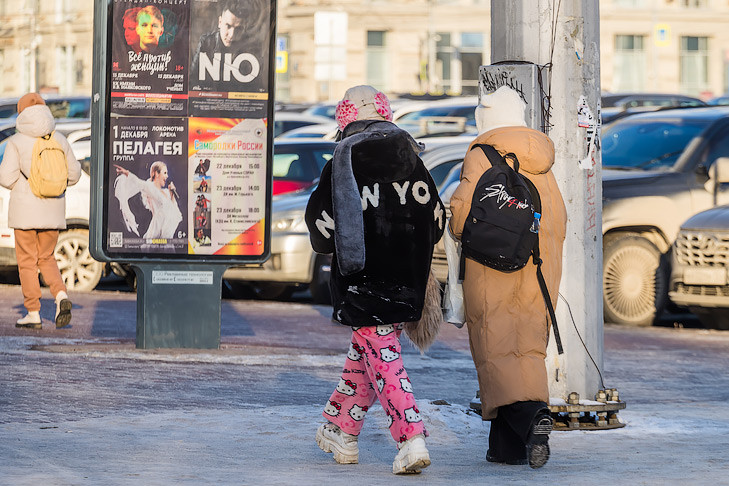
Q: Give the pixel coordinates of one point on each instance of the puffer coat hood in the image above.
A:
(507, 319)
(26, 210)
(533, 149)
(35, 121)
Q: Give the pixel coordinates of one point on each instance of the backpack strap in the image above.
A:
(550, 308)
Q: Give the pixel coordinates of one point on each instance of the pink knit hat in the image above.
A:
(362, 103)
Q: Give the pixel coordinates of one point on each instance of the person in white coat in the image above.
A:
(36, 220)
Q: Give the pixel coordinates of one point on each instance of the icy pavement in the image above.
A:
(93, 410)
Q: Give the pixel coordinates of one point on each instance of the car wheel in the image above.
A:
(79, 270)
(273, 291)
(234, 289)
(712, 318)
(319, 286)
(635, 281)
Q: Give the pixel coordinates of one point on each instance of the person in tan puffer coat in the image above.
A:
(506, 315)
(36, 220)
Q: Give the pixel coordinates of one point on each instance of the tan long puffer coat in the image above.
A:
(507, 319)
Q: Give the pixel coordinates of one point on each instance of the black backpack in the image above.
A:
(501, 230)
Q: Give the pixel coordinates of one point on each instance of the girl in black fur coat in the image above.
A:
(378, 212)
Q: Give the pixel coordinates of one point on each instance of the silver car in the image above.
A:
(700, 269)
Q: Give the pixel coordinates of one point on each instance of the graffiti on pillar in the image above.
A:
(494, 80)
(587, 120)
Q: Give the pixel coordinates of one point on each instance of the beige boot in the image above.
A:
(63, 310)
(31, 320)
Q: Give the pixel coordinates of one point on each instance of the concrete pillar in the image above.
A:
(534, 31)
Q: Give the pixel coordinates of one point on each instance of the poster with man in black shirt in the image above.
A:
(229, 62)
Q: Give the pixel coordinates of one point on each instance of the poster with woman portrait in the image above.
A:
(229, 58)
(149, 57)
(147, 180)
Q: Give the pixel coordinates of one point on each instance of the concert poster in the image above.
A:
(229, 58)
(227, 167)
(149, 57)
(148, 186)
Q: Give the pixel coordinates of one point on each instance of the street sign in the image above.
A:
(662, 35)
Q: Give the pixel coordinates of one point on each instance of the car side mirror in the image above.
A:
(718, 174)
(720, 170)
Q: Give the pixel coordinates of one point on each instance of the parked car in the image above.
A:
(619, 105)
(61, 106)
(439, 118)
(294, 264)
(65, 126)
(657, 173)
(284, 121)
(700, 264)
(719, 100)
(324, 131)
(298, 163)
(322, 109)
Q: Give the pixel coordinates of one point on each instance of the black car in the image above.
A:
(619, 105)
(656, 174)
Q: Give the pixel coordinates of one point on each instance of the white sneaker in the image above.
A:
(32, 320)
(63, 310)
(412, 457)
(330, 438)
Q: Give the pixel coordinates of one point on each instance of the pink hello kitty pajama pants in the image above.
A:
(374, 370)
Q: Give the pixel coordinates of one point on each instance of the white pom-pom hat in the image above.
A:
(502, 108)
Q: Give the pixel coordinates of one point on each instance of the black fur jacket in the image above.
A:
(377, 210)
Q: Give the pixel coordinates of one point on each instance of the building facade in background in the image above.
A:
(398, 46)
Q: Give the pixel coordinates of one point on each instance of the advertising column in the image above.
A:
(182, 97)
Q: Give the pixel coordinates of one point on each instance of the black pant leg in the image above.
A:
(519, 417)
(509, 447)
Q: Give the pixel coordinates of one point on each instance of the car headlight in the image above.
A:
(293, 223)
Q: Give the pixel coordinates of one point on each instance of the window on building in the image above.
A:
(444, 54)
(694, 65)
(63, 9)
(471, 60)
(457, 61)
(66, 68)
(630, 63)
(377, 59)
(630, 3)
(693, 3)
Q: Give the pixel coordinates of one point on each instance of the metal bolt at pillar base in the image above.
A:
(576, 414)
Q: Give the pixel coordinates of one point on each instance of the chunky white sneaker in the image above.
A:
(412, 457)
(31, 320)
(330, 438)
(63, 310)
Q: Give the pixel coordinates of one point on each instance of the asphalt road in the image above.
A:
(83, 406)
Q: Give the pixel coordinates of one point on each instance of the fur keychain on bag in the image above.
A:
(424, 332)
